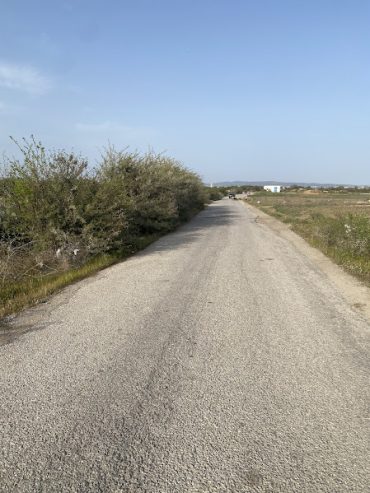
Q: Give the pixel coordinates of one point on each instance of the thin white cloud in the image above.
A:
(23, 78)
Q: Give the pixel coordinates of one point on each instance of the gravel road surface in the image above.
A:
(220, 359)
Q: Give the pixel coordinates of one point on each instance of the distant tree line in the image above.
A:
(217, 192)
(56, 212)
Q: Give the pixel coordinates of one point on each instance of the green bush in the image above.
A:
(56, 214)
(215, 193)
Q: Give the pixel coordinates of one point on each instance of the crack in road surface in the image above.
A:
(220, 359)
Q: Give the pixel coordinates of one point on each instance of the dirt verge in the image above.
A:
(353, 290)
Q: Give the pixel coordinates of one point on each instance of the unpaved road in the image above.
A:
(220, 359)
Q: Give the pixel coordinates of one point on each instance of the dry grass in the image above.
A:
(338, 223)
(18, 295)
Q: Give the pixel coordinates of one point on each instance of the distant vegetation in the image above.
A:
(337, 221)
(61, 220)
(236, 189)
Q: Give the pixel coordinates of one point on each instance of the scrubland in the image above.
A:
(62, 219)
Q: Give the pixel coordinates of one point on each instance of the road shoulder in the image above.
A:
(353, 290)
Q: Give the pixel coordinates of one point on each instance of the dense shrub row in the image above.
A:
(56, 213)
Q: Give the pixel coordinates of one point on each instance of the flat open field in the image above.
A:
(338, 223)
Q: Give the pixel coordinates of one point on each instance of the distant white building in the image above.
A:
(272, 188)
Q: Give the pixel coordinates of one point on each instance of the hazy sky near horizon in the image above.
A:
(235, 89)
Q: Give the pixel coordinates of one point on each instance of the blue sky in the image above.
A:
(235, 89)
